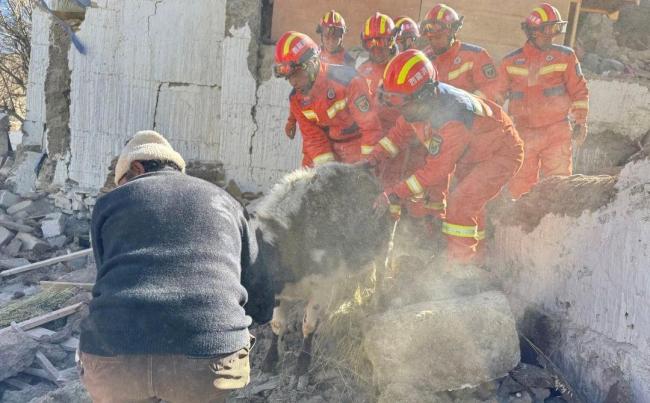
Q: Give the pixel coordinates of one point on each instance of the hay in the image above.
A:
(35, 305)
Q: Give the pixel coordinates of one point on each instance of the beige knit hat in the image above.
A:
(146, 145)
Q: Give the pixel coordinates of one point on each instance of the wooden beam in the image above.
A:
(48, 262)
(47, 365)
(64, 284)
(48, 317)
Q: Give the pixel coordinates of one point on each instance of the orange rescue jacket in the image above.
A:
(544, 87)
(463, 128)
(468, 67)
(338, 109)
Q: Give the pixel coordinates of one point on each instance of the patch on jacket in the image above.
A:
(434, 145)
(519, 62)
(362, 103)
(549, 58)
(489, 70)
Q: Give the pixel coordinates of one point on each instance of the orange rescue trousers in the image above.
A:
(477, 184)
(547, 149)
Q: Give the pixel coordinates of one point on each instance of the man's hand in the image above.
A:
(290, 129)
(579, 133)
(387, 202)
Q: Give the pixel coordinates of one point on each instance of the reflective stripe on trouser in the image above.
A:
(547, 152)
(476, 185)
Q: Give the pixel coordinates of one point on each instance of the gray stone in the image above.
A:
(521, 397)
(13, 263)
(8, 199)
(540, 394)
(57, 241)
(19, 206)
(611, 65)
(73, 392)
(474, 337)
(29, 241)
(620, 392)
(53, 225)
(17, 352)
(5, 236)
(14, 247)
(28, 394)
(533, 376)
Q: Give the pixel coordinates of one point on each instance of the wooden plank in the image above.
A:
(64, 284)
(47, 365)
(48, 317)
(48, 262)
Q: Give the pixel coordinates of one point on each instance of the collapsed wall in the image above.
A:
(197, 83)
(574, 258)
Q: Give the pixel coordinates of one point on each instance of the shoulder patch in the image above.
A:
(362, 103)
(434, 144)
(563, 49)
(489, 71)
(471, 48)
(341, 74)
(513, 53)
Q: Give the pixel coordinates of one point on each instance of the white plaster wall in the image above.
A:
(168, 65)
(592, 272)
(33, 127)
(619, 106)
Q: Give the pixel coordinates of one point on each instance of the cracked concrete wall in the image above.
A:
(590, 275)
(187, 69)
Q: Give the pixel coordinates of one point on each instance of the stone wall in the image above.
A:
(585, 270)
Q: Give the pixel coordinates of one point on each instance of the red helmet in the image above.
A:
(441, 18)
(378, 30)
(545, 19)
(332, 20)
(406, 27)
(405, 75)
(292, 50)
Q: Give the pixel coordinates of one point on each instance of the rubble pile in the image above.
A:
(612, 49)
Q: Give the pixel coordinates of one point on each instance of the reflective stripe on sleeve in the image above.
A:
(365, 150)
(467, 66)
(323, 158)
(552, 68)
(517, 71)
(389, 146)
(414, 185)
(584, 104)
(336, 108)
(461, 231)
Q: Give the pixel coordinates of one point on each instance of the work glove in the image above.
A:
(290, 129)
(387, 203)
(579, 133)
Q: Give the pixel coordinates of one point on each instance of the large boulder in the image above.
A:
(443, 344)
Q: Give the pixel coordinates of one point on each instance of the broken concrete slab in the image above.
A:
(475, 337)
(22, 177)
(14, 247)
(17, 352)
(8, 199)
(20, 206)
(12, 263)
(5, 236)
(53, 225)
(29, 241)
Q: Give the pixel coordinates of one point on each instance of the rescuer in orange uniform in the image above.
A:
(407, 33)
(545, 88)
(463, 65)
(331, 102)
(378, 38)
(459, 130)
(331, 29)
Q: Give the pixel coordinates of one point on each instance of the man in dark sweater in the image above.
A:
(169, 315)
